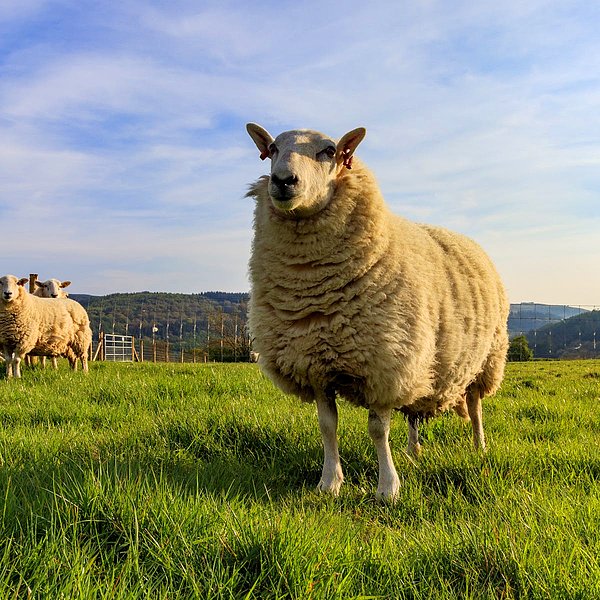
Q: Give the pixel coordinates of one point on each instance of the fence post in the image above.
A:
(100, 348)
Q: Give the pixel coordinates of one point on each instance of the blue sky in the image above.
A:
(124, 158)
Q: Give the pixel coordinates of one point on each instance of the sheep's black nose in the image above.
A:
(282, 184)
(54, 295)
(7, 295)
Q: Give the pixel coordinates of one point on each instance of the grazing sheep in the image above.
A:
(52, 288)
(40, 326)
(349, 300)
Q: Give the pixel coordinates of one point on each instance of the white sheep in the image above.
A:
(349, 300)
(40, 326)
(51, 288)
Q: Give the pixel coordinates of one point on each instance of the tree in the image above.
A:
(519, 349)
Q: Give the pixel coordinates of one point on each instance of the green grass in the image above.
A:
(197, 481)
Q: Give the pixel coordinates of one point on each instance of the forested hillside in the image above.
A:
(576, 337)
(527, 316)
(188, 320)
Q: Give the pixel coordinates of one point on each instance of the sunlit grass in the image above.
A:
(163, 481)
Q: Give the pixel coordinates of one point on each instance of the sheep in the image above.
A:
(40, 326)
(52, 288)
(348, 300)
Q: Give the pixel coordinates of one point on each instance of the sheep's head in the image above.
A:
(304, 166)
(9, 287)
(53, 288)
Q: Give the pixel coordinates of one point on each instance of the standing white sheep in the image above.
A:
(40, 326)
(51, 288)
(349, 300)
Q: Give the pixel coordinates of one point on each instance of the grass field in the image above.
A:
(197, 481)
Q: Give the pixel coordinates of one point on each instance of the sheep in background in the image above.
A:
(51, 288)
(40, 326)
(349, 300)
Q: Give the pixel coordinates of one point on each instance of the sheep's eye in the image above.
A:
(328, 152)
(272, 149)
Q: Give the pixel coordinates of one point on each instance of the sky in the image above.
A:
(124, 158)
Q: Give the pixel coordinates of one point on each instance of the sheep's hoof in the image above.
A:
(414, 450)
(388, 492)
(386, 498)
(329, 487)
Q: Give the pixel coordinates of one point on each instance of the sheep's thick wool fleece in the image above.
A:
(43, 325)
(357, 301)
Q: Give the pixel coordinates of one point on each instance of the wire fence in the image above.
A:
(557, 331)
(215, 337)
(220, 334)
(172, 327)
(213, 326)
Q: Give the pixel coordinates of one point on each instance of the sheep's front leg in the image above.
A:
(476, 416)
(15, 363)
(332, 476)
(8, 361)
(379, 430)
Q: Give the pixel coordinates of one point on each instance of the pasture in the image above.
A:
(197, 481)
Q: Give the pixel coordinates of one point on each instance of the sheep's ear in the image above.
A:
(347, 145)
(65, 284)
(38, 283)
(23, 281)
(262, 138)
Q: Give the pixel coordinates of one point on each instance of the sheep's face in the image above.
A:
(9, 287)
(304, 166)
(53, 288)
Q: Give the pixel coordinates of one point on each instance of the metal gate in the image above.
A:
(118, 348)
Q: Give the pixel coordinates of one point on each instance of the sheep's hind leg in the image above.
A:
(379, 430)
(332, 476)
(414, 447)
(476, 416)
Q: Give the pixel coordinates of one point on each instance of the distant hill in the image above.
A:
(185, 320)
(530, 316)
(576, 337)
